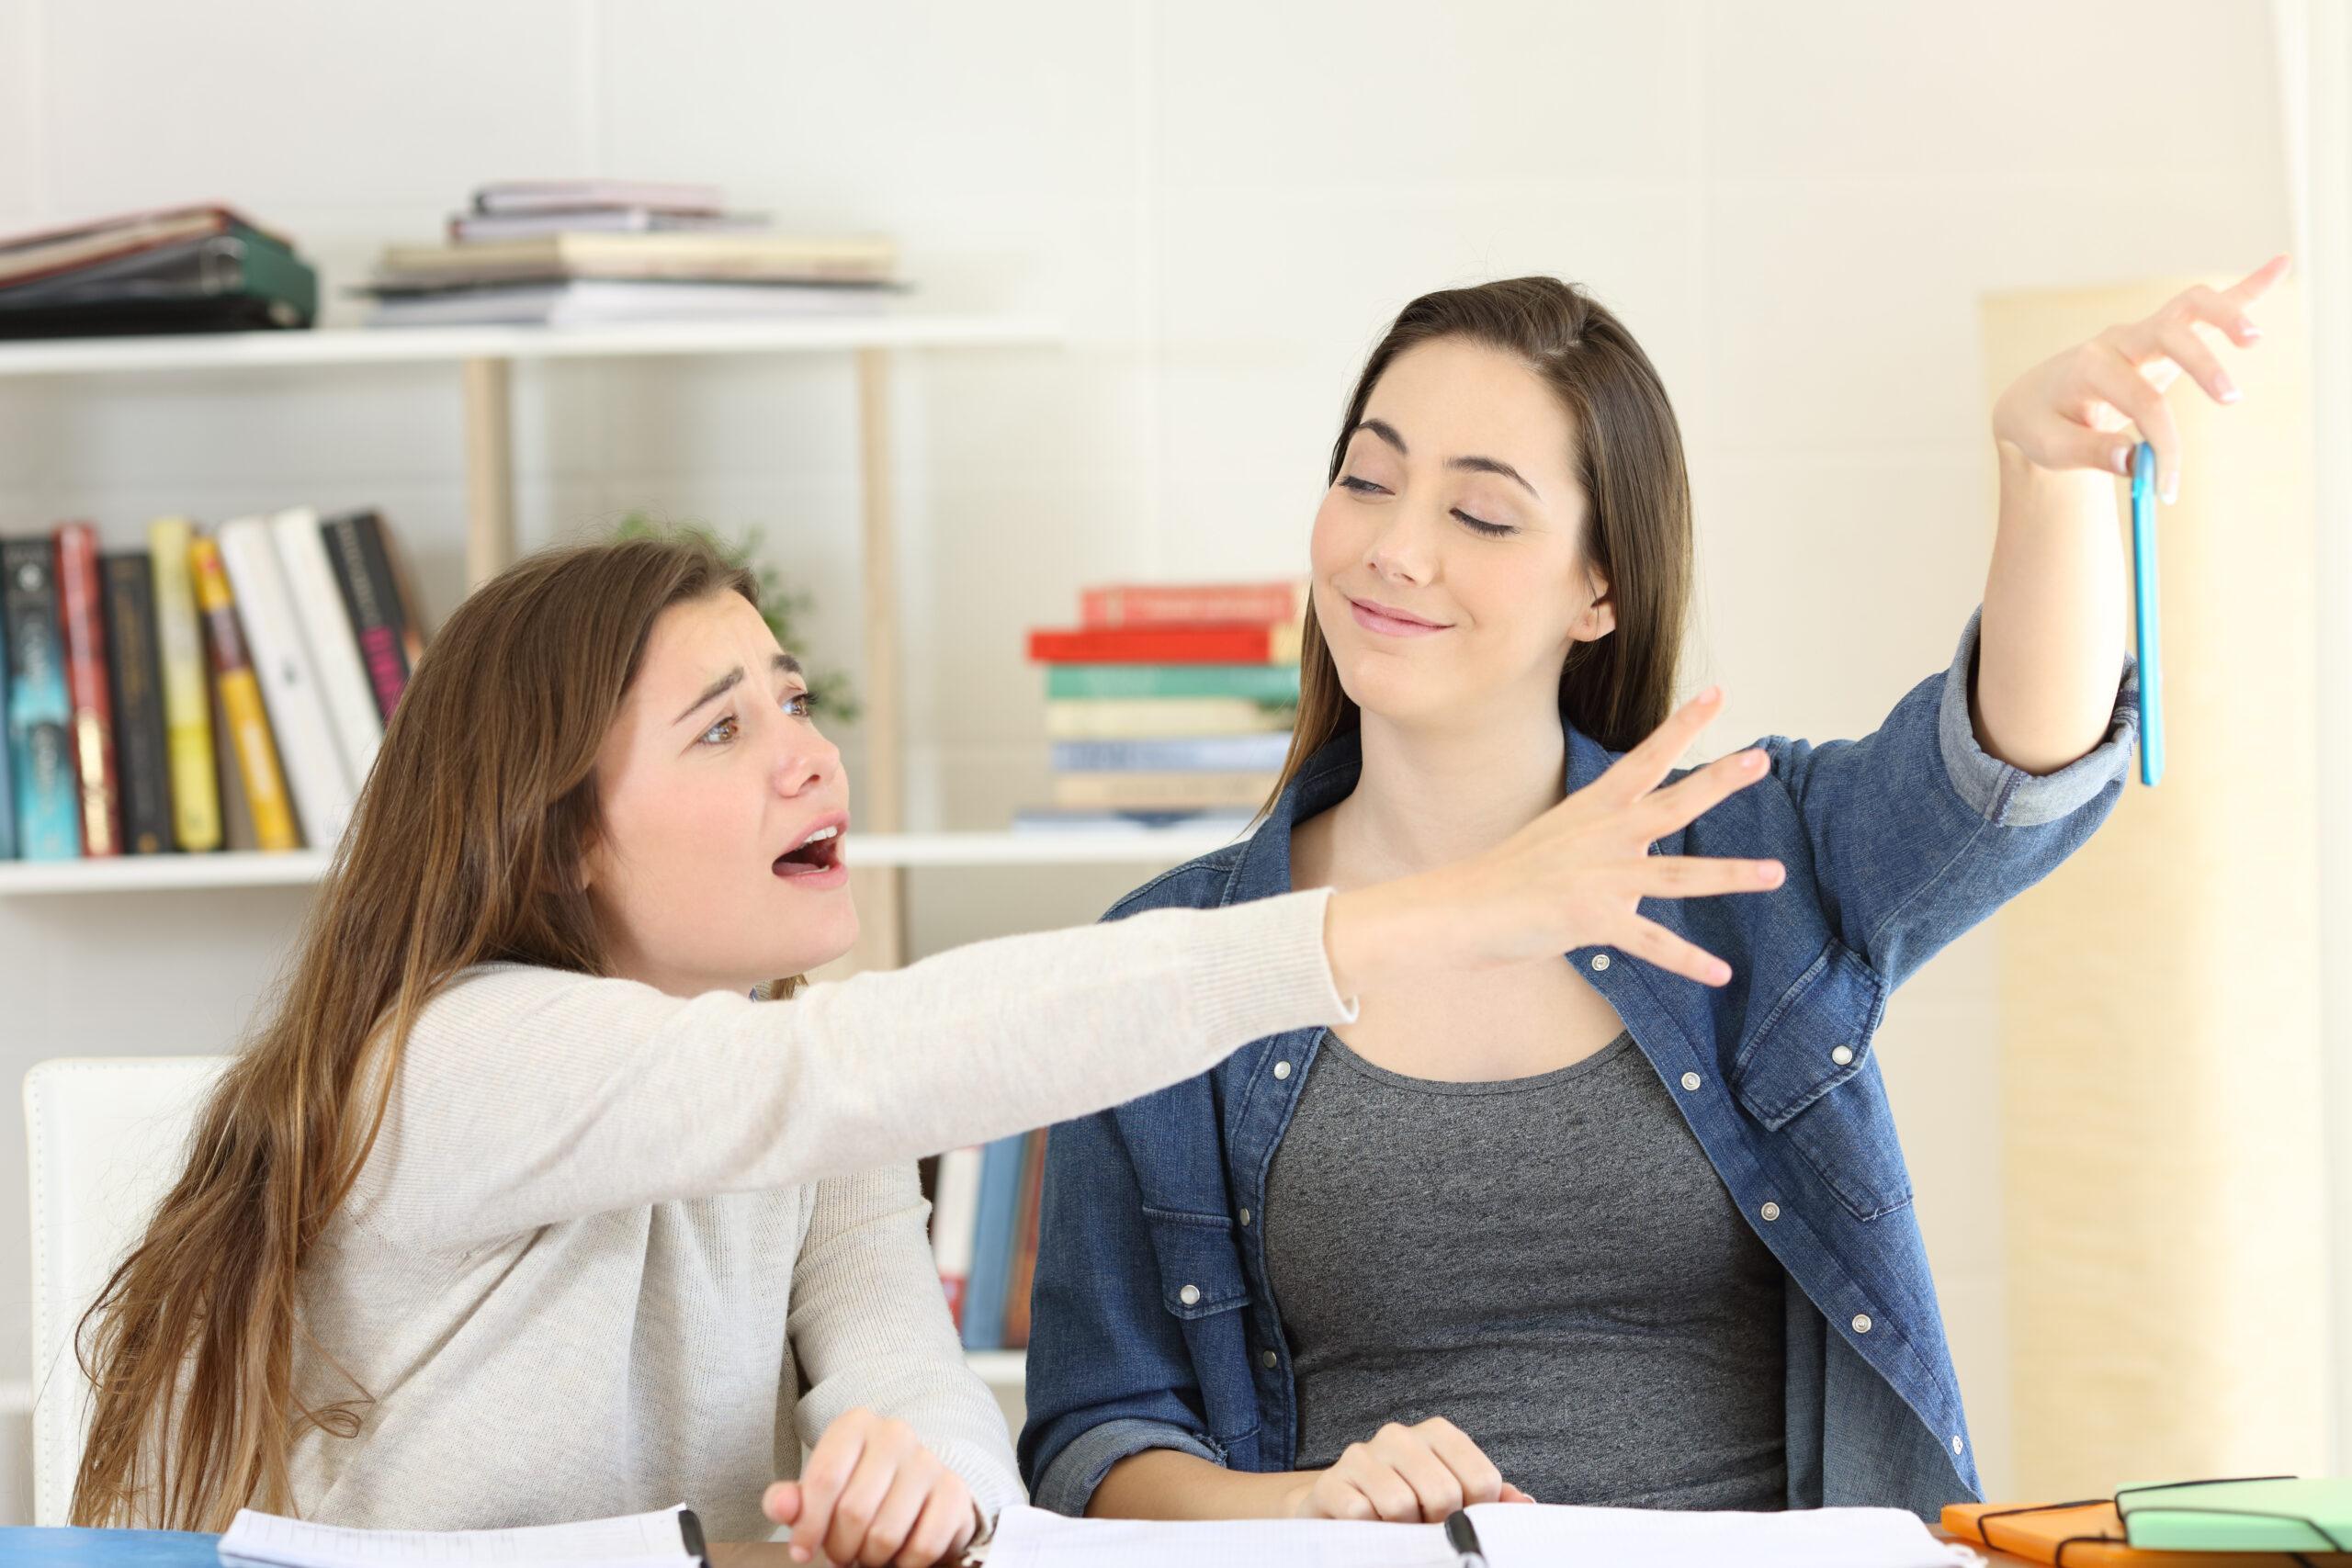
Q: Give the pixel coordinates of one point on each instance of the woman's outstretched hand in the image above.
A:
(1573, 877)
(2071, 410)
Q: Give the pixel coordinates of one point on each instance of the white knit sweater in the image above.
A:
(615, 1249)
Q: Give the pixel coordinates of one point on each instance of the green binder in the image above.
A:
(2278, 1513)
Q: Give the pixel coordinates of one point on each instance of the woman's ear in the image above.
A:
(1600, 618)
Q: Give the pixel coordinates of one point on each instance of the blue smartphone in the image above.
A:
(2143, 614)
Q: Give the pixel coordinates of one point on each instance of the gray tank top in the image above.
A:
(1550, 1263)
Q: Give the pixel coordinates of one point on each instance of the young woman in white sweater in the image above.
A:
(532, 1198)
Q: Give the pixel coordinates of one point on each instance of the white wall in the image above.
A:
(1796, 205)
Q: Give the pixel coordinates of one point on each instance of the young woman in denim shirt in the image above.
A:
(1633, 1228)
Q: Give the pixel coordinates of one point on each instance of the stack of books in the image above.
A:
(984, 1238)
(1170, 705)
(557, 253)
(181, 269)
(219, 689)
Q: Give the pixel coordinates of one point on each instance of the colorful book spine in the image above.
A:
(1193, 755)
(330, 639)
(1229, 644)
(135, 681)
(992, 1238)
(82, 617)
(1160, 792)
(362, 576)
(1266, 603)
(248, 723)
(314, 768)
(7, 786)
(1024, 1244)
(1276, 683)
(187, 696)
(41, 714)
(953, 1211)
(1163, 718)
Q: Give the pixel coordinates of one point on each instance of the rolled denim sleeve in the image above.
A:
(1109, 1375)
(1918, 833)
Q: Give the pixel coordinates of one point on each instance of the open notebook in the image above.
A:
(1514, 1535)
(670, 1539)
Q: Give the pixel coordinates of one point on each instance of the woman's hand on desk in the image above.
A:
(871, 1493)
(1409, 1475)
(1573, 877)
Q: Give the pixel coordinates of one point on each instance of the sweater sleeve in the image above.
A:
(871, 1330)
(525, 1097)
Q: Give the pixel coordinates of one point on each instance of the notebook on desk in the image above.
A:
(1512, 1535)
(670, 1538)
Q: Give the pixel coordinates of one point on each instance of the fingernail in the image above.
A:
(2228, 392)
(2248, 330)
(1710, 693)
(2172, 490)
(799, 1554)
(1770, 872)
(1720, 974)
(2123, 461)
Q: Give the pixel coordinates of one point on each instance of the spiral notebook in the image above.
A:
(671, 1538)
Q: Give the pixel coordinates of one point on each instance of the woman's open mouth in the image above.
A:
(816, 861)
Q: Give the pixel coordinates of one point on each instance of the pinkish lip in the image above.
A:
(1374, 617)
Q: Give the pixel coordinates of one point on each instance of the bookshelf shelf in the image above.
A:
(303, 868)
(363, 345)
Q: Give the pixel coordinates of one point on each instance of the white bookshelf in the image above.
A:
(484, 358)
(396, 345)
(1154, 848)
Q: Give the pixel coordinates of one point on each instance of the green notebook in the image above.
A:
(2275, 1514)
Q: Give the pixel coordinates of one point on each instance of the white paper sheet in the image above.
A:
(634, 1540)
(1518, 1535)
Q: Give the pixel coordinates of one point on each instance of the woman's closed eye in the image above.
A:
(1475, 524)
(798, 705)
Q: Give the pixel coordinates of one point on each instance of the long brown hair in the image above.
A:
(464, 849)
(1629, 460)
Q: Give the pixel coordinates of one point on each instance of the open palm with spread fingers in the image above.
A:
(2073, 410)
(1573, 877)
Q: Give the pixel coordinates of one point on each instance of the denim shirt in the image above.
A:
(1153, 1322)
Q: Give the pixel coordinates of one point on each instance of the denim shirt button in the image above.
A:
(1282, 1069)
(1956, 1443)
(1274, 1360)
(1190, 1295)
(1770, 1212)
(1245, 1219)
(1599, 962)
(1862, 1322)
(1690, 1081)
(1842, 1055)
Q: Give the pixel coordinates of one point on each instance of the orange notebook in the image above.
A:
(2088, 1535)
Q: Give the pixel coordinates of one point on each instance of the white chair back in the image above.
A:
(105, 1139)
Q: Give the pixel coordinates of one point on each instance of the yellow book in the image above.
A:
(1161, 718)
(233, 672)
(1146, 792)
(187, 705)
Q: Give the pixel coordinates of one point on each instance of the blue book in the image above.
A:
(26, 1547)
(40, 715)
(1193, 755)
(8, 791)
(993, 1244)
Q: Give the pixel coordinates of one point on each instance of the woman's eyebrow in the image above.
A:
(782, 664)
(1388, 433)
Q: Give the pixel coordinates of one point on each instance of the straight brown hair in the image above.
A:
(464, 848)
(1628, 459)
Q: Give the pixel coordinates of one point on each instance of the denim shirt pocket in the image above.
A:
(1833, 1112)
(1202, 1285)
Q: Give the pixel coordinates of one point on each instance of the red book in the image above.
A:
(1205, 643)
(82, 618)
(1159, 604)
